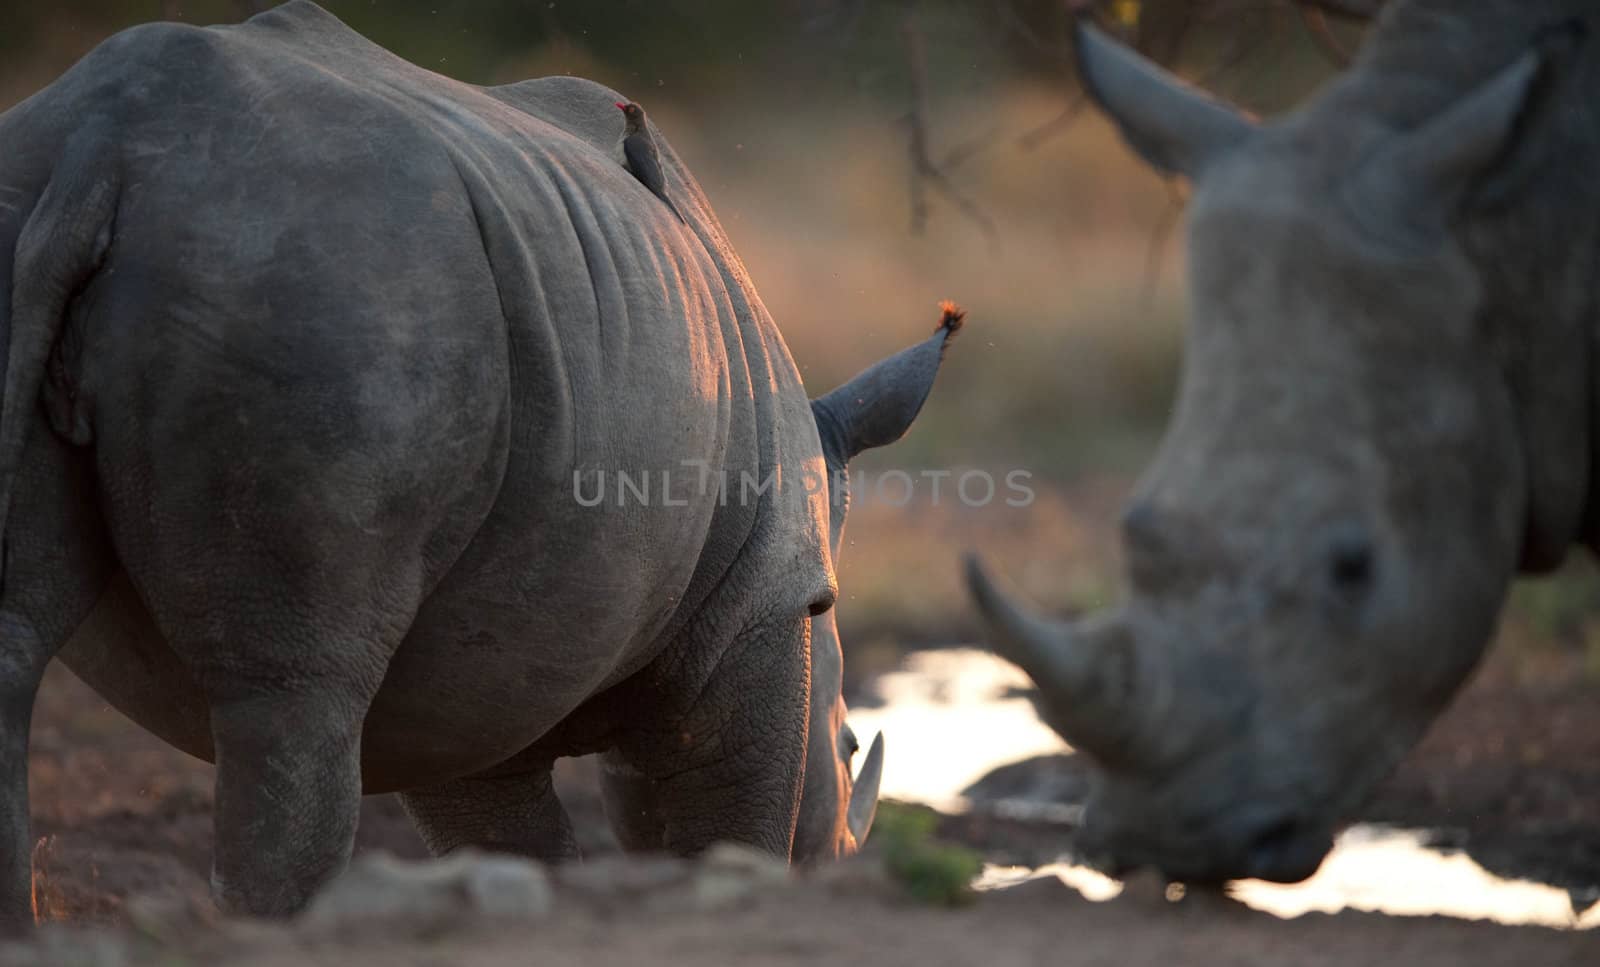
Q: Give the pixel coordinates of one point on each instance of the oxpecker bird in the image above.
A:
(643, 159)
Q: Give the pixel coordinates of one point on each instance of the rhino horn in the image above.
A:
(864, 797)
(1172, 125)
(1090, 677)
(1412, 185)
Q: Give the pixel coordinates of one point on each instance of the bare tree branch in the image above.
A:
(1349, 9)
(971, 148)
(1014, 21)
(1035, 136)
(924, 171)
(1155, 254)
(1244, 27)
(1245, 42)
(1316, 22)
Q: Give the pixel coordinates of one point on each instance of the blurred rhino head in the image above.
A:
(872, 410)
(1317, 555)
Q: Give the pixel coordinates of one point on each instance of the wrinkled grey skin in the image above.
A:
(321, 339)
(1385, 411)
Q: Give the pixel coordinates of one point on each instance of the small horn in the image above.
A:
(864, 797)
(1088, 675)
(1409, 190)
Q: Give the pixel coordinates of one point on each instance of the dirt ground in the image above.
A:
(1512, 774)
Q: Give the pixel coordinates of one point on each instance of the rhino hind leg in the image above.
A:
(288, 627)
(288, 791)
(57, 563)
(21, 682)
(516, 813)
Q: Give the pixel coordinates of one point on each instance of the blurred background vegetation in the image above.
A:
(870, 157)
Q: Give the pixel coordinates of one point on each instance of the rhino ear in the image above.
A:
(1412, 186)
(1175, 127)
(877, 407)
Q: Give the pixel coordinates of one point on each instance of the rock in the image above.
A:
(1047, 780)
(431, 895)
(745, 861)
(61, 944)
(861, 875)
(729, 872)
(725, 874)
(608, 879)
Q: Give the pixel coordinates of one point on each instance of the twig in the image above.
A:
(1035, 136)
(1349, 9)
(1244, 44)
(924, 171)
(971, 148)
(1020, 27)
(1316, 21)
(1154, 254)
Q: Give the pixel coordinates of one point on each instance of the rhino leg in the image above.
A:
(518, 813)
(288, 791)
(630, 805)
(724, 755)
(288, 627)
(23, 662)
(57, 562)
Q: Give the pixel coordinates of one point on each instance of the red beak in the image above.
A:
(621, 106)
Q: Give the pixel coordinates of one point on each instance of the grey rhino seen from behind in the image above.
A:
(322, 339)
(1387, 407)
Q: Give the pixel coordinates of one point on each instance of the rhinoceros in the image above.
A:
(1385, 411)
(316, 363)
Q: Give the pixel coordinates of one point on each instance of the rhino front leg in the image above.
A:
(730, 763)
(518, 813)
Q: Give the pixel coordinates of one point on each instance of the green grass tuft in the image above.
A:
(930, 871)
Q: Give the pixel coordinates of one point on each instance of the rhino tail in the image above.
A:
(63, 240)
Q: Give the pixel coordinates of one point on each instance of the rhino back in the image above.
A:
(320, 251)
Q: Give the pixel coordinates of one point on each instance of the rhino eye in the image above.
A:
(1350, 567)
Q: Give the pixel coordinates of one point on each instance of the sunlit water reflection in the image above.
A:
(951, 716)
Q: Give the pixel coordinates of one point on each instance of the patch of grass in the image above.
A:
(1554, 620)
(930, 871)
(1559, 605)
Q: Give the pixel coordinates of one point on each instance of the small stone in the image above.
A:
(609, 877)
(736, 857)
(730, 872)
(380, 890)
